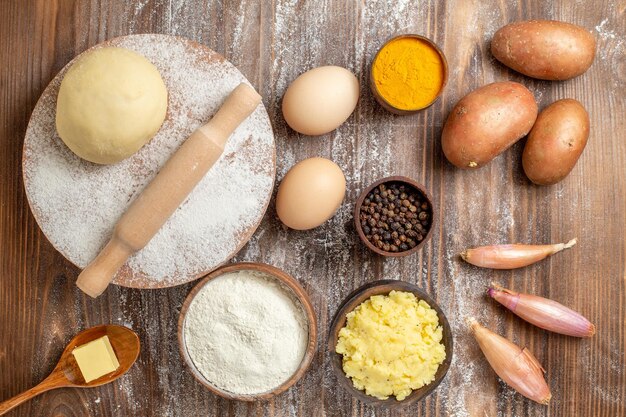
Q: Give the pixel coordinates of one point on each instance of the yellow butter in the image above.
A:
(391, 345)
(96, 358)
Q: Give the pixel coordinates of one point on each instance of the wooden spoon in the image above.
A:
(125, 344)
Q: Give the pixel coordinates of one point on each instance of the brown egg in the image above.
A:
(320, 100)
(310, 193)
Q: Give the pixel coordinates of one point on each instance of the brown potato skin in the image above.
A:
(556, 142)
(545, 49)
(486, 122)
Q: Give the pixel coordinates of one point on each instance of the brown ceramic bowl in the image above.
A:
(289, 283)
(339, 321)
(407, 182)
(383, 101)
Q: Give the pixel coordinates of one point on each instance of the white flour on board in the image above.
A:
(78, 203)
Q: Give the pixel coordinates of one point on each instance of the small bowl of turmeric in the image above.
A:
(408, 74)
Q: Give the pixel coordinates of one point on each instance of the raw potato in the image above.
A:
(545, 49)
(486, 122)
(556, 142)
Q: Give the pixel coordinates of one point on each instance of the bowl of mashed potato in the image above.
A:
(390, 343)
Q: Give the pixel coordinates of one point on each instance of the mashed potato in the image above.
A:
(391, 345)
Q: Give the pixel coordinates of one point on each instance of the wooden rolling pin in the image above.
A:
(168, 190)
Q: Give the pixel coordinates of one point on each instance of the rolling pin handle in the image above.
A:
(237, 107)
(94, 279)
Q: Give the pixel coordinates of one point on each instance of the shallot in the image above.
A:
(512, 256)
(542, 312)
(516, 366)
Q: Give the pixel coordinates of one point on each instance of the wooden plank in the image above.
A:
(272, 43)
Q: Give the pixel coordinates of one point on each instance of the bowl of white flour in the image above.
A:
(247, 331)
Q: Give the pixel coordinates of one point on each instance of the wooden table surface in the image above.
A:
(272, 42)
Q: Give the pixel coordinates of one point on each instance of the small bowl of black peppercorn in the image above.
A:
(394, 216)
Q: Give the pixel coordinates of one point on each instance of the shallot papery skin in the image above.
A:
(543, 312)
(516, 366)
(512, 256)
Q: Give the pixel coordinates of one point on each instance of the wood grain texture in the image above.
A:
(67, 373)
(271, 43)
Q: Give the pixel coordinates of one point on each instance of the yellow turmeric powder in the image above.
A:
(408, 73)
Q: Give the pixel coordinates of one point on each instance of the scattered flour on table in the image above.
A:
(603, 31)
(78, 203)
(611, 48)
(459, 288)
(245, 333)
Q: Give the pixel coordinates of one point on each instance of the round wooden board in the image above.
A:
(77, 203)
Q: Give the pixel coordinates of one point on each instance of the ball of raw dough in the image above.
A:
(110, 103)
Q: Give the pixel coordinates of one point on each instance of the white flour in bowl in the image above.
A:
(245, 333)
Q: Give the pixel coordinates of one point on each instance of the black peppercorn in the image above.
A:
(395, 217)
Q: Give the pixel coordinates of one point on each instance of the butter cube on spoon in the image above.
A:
(96, 358)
